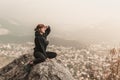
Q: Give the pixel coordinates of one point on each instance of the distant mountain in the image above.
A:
(15, 27)
(20, 33)
(67, 43)
(53, 40)
(15, 39)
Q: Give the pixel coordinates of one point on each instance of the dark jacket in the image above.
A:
(41, 41)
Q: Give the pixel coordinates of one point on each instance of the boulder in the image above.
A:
(52, 69)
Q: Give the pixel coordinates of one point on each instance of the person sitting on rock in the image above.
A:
(41, 43)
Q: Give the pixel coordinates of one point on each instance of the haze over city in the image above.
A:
(81, 20)
(84, 35)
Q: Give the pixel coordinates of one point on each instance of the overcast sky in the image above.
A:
(62, 11)
(64, 14)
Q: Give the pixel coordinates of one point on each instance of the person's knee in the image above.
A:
(55, 54)
(51, 55)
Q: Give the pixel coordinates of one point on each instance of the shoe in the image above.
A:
(28, 67)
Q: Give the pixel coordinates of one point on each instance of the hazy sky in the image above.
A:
(77, 12)
(101, 15)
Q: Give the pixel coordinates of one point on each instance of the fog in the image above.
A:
(82, 20)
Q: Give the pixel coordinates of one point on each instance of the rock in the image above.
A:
(49, 70)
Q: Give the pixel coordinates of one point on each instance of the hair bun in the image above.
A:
(39, 26)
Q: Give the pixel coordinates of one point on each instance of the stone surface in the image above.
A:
(52, 69)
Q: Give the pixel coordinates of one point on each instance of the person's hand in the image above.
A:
(48, 26)
(47, 59)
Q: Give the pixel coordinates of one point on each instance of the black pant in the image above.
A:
(40, 57)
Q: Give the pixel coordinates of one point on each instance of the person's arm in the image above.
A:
(48, 30)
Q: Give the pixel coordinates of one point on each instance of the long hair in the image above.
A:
(39, 26)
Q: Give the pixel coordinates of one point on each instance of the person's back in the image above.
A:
(39, 42)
